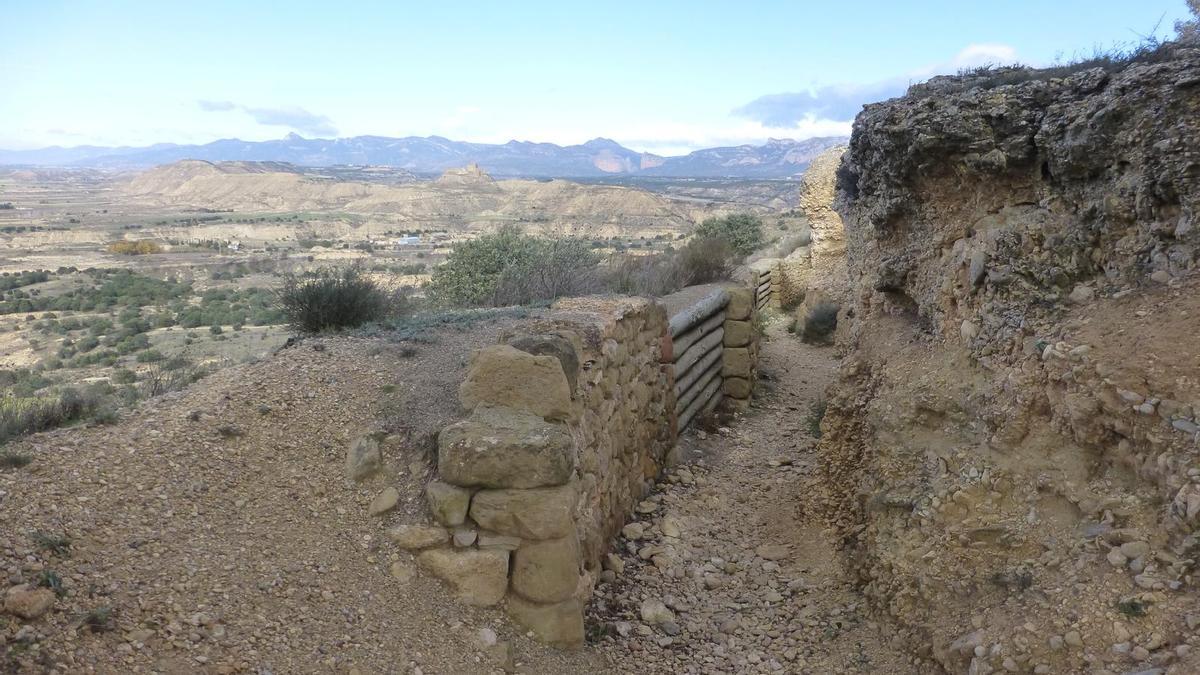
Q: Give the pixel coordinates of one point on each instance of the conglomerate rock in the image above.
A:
(1011, 450)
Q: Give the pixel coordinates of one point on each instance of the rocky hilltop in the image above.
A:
(1011, 451)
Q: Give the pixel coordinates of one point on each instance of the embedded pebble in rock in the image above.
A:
(403, 572)
(386, 501)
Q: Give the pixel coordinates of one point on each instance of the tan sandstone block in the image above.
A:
(737, 387)
(447, 502)
(737, 362)
(547, 571)
(478, 577)
(741, 303)
(544, 513)
(560, 624)
(499, 447)
(502, 375)
(28, 601)
(738, 333)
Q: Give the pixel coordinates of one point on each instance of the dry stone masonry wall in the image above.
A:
(571, 420)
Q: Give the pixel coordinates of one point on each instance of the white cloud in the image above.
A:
(291, 117)
(844, 101)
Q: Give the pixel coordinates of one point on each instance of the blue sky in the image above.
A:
(659, 75)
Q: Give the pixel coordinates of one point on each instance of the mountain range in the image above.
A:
(777, 158)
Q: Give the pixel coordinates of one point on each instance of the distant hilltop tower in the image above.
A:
(469, 175)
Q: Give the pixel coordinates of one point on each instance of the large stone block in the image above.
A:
(738, 333)
(737, 387)
(479, 577)
(547, 571)
(737, 362)
(502, 375)
(499, 447)
(545, 513)
(741, 303)
(560, 624)
(552, 345)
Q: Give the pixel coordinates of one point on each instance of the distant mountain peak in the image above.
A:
(601, 143)
(433, 155)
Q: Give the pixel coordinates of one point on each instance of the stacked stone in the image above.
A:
(740, 354)
(626, 428)
(569, 426)
(508, 490)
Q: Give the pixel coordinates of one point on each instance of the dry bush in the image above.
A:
(558, 267)
(26, 415)
(140, 247)
(162, 378)
(329, 299)
(820, 323)
(702, 261)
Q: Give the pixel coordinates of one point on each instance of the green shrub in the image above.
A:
(331, 299)
(820, 323)
(150, 356)
(509, 267)
(743, 231)
(559, 267)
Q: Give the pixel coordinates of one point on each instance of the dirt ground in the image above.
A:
(213, 530)
(752, 584)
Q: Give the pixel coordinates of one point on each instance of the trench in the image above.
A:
(723, 570)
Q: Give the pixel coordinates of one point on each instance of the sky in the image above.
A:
(662, 76)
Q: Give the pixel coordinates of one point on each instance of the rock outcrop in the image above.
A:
(1011, 450)
(816, 273)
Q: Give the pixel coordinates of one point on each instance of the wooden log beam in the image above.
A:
(681, 343)
(699, 376)
(698, 312)
(710, 390)
(698, 350)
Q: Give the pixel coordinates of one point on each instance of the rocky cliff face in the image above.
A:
(1012, 449)
(824, 268)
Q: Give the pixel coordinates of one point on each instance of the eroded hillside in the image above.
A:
(460, 198)
(1011, 452)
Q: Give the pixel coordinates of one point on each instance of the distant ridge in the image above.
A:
(778, 158)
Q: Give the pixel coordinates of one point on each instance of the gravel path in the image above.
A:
(720, 572)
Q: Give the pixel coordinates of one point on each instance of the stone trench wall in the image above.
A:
(571, 419)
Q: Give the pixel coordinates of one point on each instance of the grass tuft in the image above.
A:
(54, 543)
